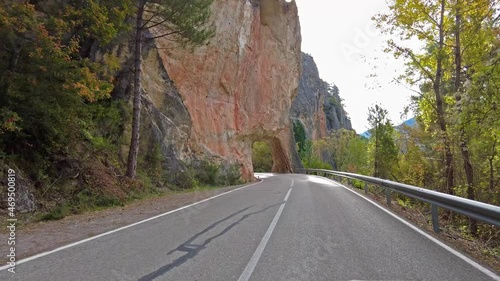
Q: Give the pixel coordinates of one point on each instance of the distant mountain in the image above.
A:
(412, 122)
(366, 134)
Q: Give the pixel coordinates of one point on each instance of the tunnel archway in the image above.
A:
(270, 154)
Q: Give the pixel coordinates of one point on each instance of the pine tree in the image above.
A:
(385, 152)
(185, 21)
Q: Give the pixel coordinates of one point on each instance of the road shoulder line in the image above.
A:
(474, 264)
(122, 228)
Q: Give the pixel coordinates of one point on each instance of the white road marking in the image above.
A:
(441, 244)
(292, 183)
(264, 175)
(260, 249)
(122, 228)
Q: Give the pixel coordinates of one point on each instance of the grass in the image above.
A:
(89, 203)
(82, 203)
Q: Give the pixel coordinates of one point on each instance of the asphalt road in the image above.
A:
(287, 227)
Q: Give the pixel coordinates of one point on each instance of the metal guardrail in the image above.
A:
(474, 209)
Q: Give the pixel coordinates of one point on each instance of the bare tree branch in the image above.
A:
(165, 34)
(415, 60)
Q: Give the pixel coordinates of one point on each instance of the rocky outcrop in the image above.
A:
(336, 116)
(22, 189)
(317, 106)
(214, 102)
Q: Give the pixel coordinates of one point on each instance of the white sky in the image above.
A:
(347, 48)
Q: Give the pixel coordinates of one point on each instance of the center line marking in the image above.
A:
(258, 252)
(292, 183)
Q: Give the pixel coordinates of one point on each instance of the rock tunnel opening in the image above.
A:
(262, 159)
(270, 155)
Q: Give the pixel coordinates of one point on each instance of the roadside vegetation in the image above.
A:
(67, 139)
(205, 176)
(262, 159)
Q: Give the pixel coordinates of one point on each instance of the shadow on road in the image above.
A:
(192, 250)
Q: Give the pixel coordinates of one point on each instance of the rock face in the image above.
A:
(214, 102)
(23, 189)
(317, 106)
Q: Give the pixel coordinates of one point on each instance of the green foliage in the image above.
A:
(457, 72)
(356, 159)
(99, 20)
(316, 163)
(348, 151)
(46, 87)
(384, 149)
(183, 179)
(404, 202)
(333, 105)
(184, 21)
(208, 173)
(299, 134)
(358, 184)
(262, 159)
(204, 173)
(307, 152)
(232, 175)
(85, 200)
(88, 200)
(153, 162)
(57, 213)
(8, 120)
(310, 156)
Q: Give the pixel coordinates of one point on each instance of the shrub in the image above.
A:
(182, 179)
(262, 159)
(208, 173)
(57, 213)
(232, 175)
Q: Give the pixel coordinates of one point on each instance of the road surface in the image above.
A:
(286, 227)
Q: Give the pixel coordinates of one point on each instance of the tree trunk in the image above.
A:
(464, 149)
(469, 176)
(449, 172)
(136, 119)
(14, 57)
(376, 158)
(492, 170)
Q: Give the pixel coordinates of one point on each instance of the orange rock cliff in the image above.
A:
(214, 102)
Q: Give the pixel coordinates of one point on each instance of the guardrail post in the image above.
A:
(366, 188)
(388, 196)
(435, 218)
